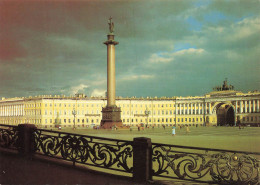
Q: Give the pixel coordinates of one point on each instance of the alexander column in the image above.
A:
(111, 114)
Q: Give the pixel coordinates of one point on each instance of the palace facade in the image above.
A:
(220, 107)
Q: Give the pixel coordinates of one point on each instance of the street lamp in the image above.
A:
(147, 112)
(74, 114)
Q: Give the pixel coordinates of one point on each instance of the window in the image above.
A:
(50, 120)
(64, 120)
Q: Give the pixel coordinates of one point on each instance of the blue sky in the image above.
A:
(166, 48)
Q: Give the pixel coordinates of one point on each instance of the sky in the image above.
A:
(166, 47)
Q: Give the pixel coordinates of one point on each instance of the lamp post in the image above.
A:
(147, 112)
(74, 121)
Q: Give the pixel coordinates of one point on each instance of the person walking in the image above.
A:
(173, 130)
(187, 129)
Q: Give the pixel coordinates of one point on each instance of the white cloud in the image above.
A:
(159, 59)
(167, 57)
(136, 77)
(188, 52)
(243, 29)
(98, 92)
(78, 89)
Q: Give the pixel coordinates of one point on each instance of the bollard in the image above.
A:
(26, 140)
(142, 159)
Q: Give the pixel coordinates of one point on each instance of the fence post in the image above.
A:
(142, 159)
(26, 140)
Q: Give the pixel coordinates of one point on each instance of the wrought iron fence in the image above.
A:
(139, 157)
(205, 165)
(8, 136)
(94, 151)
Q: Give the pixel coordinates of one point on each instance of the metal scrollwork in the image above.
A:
(8, 137)
(223, 168)
(87, 150)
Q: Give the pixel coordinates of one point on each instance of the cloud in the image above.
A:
(98, 93)
(245, 28)
(78, 89)
(136, 77)
(155, 58)
(166, 57)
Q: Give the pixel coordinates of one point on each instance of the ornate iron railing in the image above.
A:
(8, 136)
(205, 165)
(168, 161)
(94, 151)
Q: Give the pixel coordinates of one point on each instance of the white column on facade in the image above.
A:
(21, 108)
(209, 108)
(191, 106)
(205, 108)
(253, 105)
(236, 107)
(249, 106)
(176, 108)
(257, 105)
(245, 106)
(199, 108)
(20, 114)
(195, 106)
(180, 108)
(184, 108)
(18, 110)
(240, 107)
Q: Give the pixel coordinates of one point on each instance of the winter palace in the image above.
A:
(223, 106)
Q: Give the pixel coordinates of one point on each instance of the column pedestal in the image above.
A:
(111, 117)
